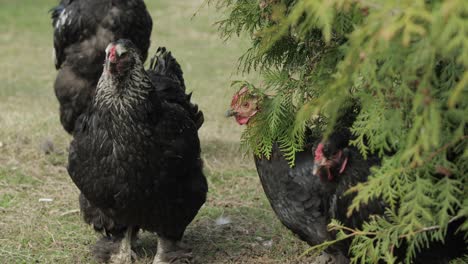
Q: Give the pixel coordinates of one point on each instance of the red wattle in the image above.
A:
(242, 120)
(343, 165)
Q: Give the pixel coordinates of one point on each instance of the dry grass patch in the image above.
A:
(51, 231)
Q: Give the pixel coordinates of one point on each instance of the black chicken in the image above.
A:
(307, 196)
(166, 73)
(136, 157)
(82, 30)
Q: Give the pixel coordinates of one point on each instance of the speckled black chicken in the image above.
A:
(135, 156)
(307, 196)
(82, 30)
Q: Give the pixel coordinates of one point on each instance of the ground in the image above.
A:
(39, 218)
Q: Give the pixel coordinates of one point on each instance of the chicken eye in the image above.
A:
(245, 105)
(121, 50)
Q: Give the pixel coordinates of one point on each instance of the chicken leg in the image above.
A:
(170, 251)
(124, 255)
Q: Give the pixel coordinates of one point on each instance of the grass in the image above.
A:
(53, 232)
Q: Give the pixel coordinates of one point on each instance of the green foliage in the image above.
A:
(405, 63)
(462, 260)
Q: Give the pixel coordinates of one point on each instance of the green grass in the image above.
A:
(53, 232)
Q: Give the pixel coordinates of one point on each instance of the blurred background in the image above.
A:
(39, 216)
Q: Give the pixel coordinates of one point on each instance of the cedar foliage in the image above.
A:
(405, 62)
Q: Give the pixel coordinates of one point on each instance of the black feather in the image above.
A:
(82, 31)
(137, 161)
(166, 72)
(306, 204)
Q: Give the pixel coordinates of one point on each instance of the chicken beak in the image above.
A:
(315, 169)
(230, 113)
(317, 166)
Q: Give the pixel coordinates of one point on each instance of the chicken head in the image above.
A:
(329, 160)
(244, 105)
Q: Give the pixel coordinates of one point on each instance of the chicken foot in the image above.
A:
(170, 251)
(125, 253)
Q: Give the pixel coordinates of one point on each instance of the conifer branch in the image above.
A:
(357, 232)
(405, 63)
(445, 147)
(428, 229)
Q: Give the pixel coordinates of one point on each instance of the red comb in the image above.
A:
(235, 98)
(242, 91)
(112, 56)
(319, 152)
